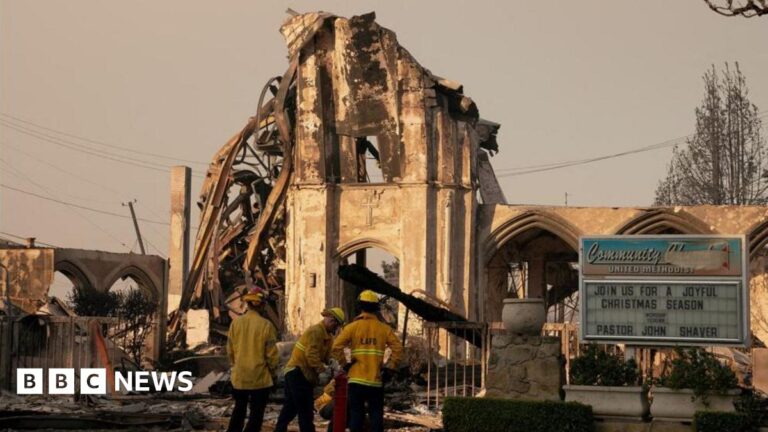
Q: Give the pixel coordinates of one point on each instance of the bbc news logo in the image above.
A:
(93, 381)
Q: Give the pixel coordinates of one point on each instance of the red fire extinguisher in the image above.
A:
(340, 402)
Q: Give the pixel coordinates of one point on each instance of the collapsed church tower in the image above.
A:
(362, 96)
(358, 147)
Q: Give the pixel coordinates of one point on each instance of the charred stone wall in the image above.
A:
(361, 95)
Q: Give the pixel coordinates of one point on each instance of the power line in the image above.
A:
(150, 165)
(73, 146)
(134, 244)
(566, 164)
(102, 143)
(99, 227)
(517, 171)
(25, 238)
(159, 252)
(161, 234)
(664, 144)
(82, 207)
(38, 158)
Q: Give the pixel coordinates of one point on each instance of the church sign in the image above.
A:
(664, 290)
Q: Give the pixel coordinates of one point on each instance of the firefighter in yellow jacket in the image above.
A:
(308, 359)
(367, 337)
(253, 356)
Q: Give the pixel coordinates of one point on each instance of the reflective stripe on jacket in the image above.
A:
(367, 337)
(311, 352)
(252, 351)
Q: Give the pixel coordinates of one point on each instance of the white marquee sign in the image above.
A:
(664, 290)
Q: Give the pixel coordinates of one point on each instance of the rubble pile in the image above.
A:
(145, 412)
(205, 408)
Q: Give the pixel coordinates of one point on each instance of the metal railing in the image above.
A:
(570, 347)
(568, 333)
(45, 342)
(457, 360)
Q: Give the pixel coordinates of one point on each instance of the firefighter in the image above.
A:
(367, 337)
(308, 359)
(253, 355)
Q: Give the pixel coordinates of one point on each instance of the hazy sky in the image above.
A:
(567, 80)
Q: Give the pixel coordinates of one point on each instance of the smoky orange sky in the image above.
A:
(130, 80)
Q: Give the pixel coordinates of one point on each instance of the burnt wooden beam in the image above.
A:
(366, 279)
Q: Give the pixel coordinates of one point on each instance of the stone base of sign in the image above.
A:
(669, 404)
(524, 367)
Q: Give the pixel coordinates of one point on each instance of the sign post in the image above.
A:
(664, 290)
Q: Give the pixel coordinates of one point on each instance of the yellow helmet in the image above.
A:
(368, 296)
(336, 313)
(256, 295)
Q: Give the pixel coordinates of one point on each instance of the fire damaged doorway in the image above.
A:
(534, 263)
(377, 260)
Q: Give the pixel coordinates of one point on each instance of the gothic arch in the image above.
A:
(757, 236)
(335, 292)
(533, 219)
(656, 221)
(76, 275)
(141, 277)
(488, 298)
(364, 243)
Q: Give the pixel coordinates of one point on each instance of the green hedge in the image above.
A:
(715, 421)
(501, 415)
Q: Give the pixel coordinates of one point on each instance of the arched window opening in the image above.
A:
(535, 263)
(378, 261)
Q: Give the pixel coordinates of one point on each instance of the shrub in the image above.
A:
(754, 405)
(93, 303)
(699, 370)
(500, 415)
(597, 367)
(137, 309)
(713, 421)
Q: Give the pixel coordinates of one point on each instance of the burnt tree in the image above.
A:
(745, 8)
(724, 161)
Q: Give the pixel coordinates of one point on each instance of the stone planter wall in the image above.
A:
(630, 401)
(524, 367)
(677, 404)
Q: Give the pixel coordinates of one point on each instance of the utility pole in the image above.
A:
(8, 333)
(136, 226)
(7, 288)
(566, 199)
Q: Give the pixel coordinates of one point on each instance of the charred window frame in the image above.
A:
(364, 160)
